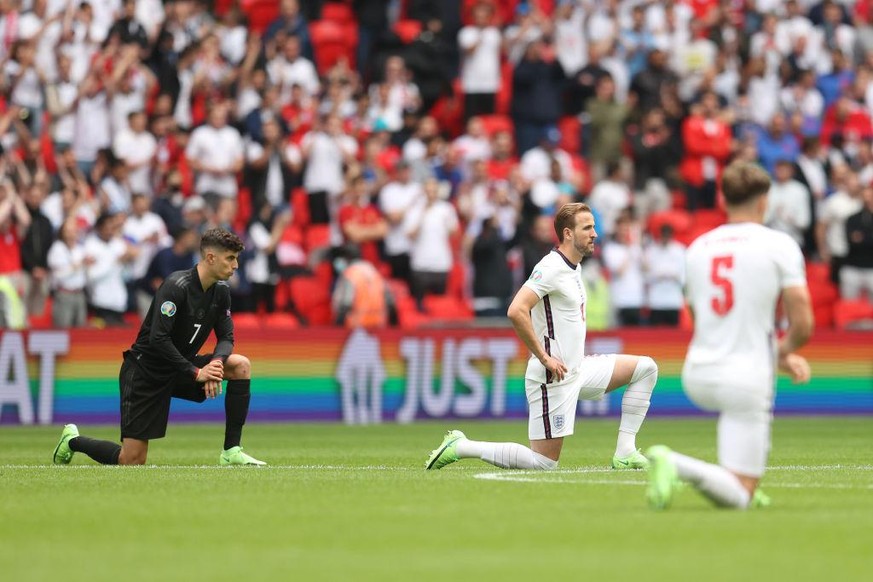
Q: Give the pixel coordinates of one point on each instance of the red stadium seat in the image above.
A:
(571, 137)
(260, 13)
(447, 308)
(503, 99)
(247, 321)
(708, 218)
(407, 30)
(300, 207)
(850, 312)
(311, 299)
(818, 271)
(680, 220)
(317, 236)
(331, 42)
(280, 321)
(337, 12)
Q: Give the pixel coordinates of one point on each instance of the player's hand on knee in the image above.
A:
(212, 388)
(556, 367)
(213, 371)
(796, 367)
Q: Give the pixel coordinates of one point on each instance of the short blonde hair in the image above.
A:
(566, 217)
(743, 181)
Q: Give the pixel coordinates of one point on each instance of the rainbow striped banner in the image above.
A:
(387, 376)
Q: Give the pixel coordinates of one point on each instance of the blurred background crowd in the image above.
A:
(399, 162)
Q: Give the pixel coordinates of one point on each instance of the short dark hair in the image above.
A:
(566, 217)
(219, 238)
(743, 181)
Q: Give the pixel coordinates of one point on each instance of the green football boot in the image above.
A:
(445, 454)
(662, 477)
(236, 456)
(635, 460)
(760, 500)
(63, 453)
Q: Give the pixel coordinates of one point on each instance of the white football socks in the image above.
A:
(635, 405)
(504, 455)
(714, 481)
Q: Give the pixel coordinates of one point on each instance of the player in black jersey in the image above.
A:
(164, 363)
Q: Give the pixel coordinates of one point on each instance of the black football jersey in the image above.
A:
(179, 320)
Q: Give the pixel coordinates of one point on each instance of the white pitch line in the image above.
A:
(556, 477)
(215, 467)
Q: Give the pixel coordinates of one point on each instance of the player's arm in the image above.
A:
(224, 331)
(797, 307)
(161, 333)
(519, 314)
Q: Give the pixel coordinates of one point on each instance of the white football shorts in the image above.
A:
(745, 414)
(553, 406)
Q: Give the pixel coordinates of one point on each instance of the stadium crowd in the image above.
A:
(425, 143)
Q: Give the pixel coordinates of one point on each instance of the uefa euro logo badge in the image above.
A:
(536, 276)
(558, 421)
(168, 308)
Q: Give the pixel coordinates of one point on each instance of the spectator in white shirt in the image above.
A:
(326, 149)
(291, 68)
(92, 132)
(147, 231)
(107, 254)
(664, 264)
(788, 203)
(430, 225)
(67, 262)
(215, 152)
(480, 61)
(24, 82)
(833, 246)
(396, 199)
(610, 197)
(622, 257)
(62, 98)
(136, 147)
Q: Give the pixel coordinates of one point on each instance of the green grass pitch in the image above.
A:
(354, 503)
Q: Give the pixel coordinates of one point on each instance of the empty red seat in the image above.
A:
(260, 13)
(247, 321)
(680, 220)
(571, 137)
(337, 12)
(332, 41)
(710, 218)
(311, 298)
(818, 271)
(849, 312)
(447, 308)
(407, 30)
(317, 236)
(280, 321)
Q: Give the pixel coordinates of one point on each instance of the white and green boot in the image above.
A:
(236, 456)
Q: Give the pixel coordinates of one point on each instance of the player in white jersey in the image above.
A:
(549, 316)
(735, 276)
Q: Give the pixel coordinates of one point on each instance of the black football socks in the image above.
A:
(104, 452)
(236, 409)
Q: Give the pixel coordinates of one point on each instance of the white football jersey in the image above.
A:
(559, 317)
(735, 275)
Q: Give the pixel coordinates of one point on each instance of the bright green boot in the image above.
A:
(63, 453)
(236, 456)
(662, 477)
(445, 454)
(635, 460)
